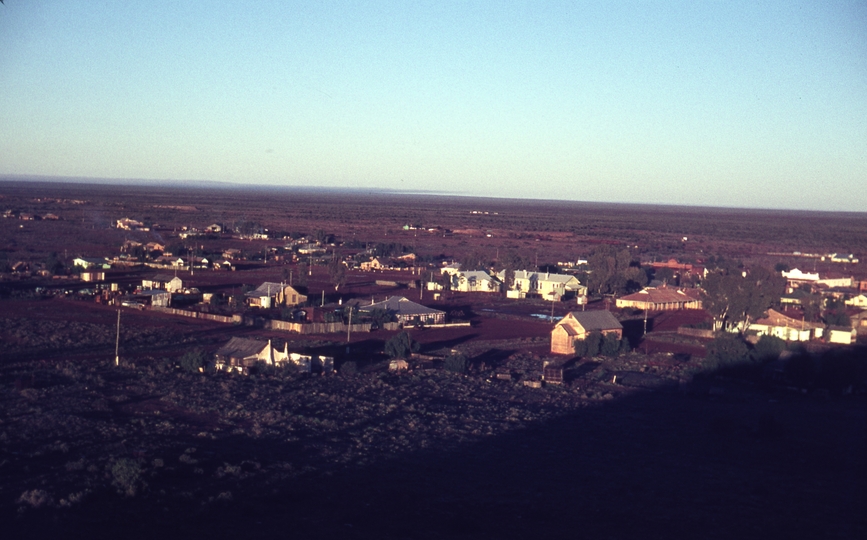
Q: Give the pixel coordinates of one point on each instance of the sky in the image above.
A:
(743, 104)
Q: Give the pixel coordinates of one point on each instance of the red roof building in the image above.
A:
(661, 299)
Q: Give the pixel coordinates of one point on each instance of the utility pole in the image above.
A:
(645, 323)
(117, 341)
(349, 326)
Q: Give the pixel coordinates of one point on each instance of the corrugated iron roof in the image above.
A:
(596, 320)
(401, 306)
(238, 347)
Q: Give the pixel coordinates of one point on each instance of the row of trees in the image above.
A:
(834, 369)
(597, 344)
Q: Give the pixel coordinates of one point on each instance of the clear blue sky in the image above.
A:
(753, 104)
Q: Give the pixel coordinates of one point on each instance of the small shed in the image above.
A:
(552, 372)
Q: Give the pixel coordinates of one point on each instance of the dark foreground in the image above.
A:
(430, 455)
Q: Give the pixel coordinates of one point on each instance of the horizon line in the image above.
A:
(221, 184)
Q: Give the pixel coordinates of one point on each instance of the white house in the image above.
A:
(859, 301)
(91, 262)
(475, 281)
(545, 285)
(270, 294)
(832, 281)
(786, 328)
(168, 282)
(797, 276)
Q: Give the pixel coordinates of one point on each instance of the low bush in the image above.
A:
(456, 363)
(126, 476)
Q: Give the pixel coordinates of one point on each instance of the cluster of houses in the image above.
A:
(403, 262)
(523, 284)
(270, 294)
(786, 325)
(29, 216)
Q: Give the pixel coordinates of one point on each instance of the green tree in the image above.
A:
(594, 343)
(835, 314)
(665, 275)
(726, 350)
(236, 302)
(768, 349)
(736, 299)
(508, 263)
(401, 346)
(53, 264)
(301, 275)
(625, 347)
(193, 361)
(378, 317)
(580, 347)
(474, 260)
(613, 271)
(812, 306)
(337, 273)
(610, 345)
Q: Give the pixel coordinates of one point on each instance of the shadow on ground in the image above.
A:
(657, 464)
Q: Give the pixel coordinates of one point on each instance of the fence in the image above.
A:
(695, 332)
(237, 319)
(316, 328)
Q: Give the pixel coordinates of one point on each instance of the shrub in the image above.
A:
(126, 476)
(580, 347)
(768, 349)
(192, 361)
(456, 363)
(349, 368)
(610, 345)
(594, 343)
(726, 351)
(36, 498)
(625, 347)
(401, 346)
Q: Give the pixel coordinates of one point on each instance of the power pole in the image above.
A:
(117, 342)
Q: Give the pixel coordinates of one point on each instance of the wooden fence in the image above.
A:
(695, 332)
(237, 319)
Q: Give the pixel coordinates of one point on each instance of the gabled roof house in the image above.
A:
(406, 311)
(786, 328)
(577, 325)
